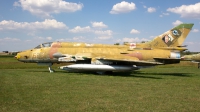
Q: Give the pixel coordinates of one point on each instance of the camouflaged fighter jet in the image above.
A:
(163, 49)
(194, 58)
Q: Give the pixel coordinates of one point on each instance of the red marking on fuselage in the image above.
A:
(132, 45)
(54, 49)
(136, 54)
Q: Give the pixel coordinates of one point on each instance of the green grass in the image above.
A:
(28, 87)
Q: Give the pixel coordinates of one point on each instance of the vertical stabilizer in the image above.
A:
(172, 38)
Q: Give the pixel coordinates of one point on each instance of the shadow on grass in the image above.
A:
(165, 74)
(38, 71)
(116, 74)
(136, 74)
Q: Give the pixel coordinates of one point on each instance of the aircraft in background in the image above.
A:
(163, 49)
(193, 57)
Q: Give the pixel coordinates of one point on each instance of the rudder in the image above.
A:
(172, 38)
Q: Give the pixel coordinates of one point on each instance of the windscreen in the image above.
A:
(47, 44)
(44, 45)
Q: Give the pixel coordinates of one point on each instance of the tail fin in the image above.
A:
(172, 38)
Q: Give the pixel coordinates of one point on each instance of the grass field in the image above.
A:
(28, 87)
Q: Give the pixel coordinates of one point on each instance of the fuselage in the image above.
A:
(47, 52)
(193, 57)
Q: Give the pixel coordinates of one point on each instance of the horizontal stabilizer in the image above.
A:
(182, 46)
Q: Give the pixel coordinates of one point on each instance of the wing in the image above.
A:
(121, 59)
(101, 58)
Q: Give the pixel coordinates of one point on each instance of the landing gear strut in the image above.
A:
(50, 69)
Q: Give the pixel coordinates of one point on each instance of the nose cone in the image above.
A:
(17, 56)
(182, 58)
(22, 56)
(187, 57)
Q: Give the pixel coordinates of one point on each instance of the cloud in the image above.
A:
(152, 37)
(44, 8)
(151, 9)
(195, 30)
(104, 37)
(8, 39)
(192, 43)
(47, 24)
(187, 11)
(164, 14)
(123, 7)
(61, 39)
(49, 38)
(100, 33)
(134, 31)
(176, 23)
(134, 39)
(98, 25)
(42, 38)
(144, 6)
(74, 39)
(107, 34)
(78, 29)
(78, 38)
(37, 40)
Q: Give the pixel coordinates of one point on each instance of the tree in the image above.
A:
(125, 43)
(117, 44)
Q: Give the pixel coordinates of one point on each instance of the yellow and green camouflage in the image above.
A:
(163, 49)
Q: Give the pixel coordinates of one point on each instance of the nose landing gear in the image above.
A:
(50, 69)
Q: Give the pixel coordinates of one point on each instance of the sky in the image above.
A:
(24, 24)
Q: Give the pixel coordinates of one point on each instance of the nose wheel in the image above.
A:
(50, 69)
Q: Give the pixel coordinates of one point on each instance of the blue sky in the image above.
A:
(26, 23)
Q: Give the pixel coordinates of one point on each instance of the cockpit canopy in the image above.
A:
(48, 44)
